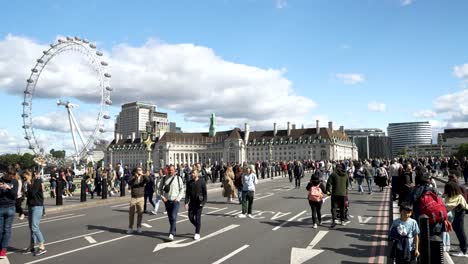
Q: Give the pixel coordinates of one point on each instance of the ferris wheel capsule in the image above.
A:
(34, 70)
(85, 41)
(107, 75)
(30, 80)
(99, 53)
(108, 88)
(25, 104)
(40, 61)
(91, 45)
(108, 102)
(77, 38)
(69, 38)
(103, 63)
(106, 116)
(102, 130)
(45, 52)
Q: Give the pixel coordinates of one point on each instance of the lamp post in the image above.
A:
(149, 143)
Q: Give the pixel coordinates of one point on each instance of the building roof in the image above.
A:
(325, 133)
(201, 137)
(455, 133)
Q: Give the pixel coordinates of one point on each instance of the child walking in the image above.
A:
(404, 233)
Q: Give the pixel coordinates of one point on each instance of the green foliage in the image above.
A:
(58, 154)
(26, 161)
(403, 153)
(462, 151)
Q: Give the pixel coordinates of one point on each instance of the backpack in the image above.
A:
(315, 194)
(431, 204)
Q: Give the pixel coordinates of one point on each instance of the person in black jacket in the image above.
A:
(137, 189)
(195, 199)
(316, 205)
(298, 173)
(35, 202)
(8, 193)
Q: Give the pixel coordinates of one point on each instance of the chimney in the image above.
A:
(317, 127)
(246, 132)
(330, 125)
(294, 126)
(289, 128)
(342, 129)
(275, 131)
(133, 137)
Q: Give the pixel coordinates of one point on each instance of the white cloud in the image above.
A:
(190, 79)
(281, 3)
(350, 78)
(376, 107)
(10, 143)
(461, 71)
(406, 2)
(425, 114)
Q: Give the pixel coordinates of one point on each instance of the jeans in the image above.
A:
(458, 228)
(298, 181)
(194, 214)
(247, 201)
(172, 208)
(135, 204)
(326, 175)
(316, 208)
(148, 196)
(370, 182)
(34, 219)
(7, 214)
(157, 201)
(337, 201)
(239, 194)
(359, 183)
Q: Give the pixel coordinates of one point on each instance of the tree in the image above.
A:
(462, 151)
(26, 161)
(58, 154)
(403, 153)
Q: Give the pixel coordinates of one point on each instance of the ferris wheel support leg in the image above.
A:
(72, 129)
(80, 134)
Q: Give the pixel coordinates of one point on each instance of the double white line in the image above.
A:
(50, 219)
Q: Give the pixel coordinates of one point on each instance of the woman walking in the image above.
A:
(20, 197)
(238, 183)
(359, 174)
(137, 188)
(381, 178)
(149, 191)
(157, 185)
(457, 205)
(315, 197)
(8, 192)
(249, 180)
(35, 201)
(195, 199)
(228, 185)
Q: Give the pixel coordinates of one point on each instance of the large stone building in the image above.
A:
(451, 140)
(371, 142)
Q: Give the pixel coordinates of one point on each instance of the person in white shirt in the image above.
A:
(249, 180)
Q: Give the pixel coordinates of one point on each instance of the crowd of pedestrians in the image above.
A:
(411, 181)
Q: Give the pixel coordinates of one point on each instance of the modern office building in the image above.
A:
(371, 142)
(409, 134)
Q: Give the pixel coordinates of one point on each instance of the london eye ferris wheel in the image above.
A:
(83, 141)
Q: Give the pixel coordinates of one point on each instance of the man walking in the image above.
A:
(172, 190)
(298, 171)
(195, 199)
(337, 186)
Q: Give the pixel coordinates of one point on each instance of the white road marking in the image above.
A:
(90, 240)
(146, 225)
(157, 218)
(221, 260)
(178, 244)
(48, 221)
(43, 219)
(120, 205)
(268, 195)
(279, 215)
(317, 238)
(78, 249)
(364, 221)
(209, 207)
(165, 217)
(64, 240)
(289, 220)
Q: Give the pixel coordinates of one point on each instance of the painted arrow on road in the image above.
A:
(179, 244)
(364, 220)
(301, 255)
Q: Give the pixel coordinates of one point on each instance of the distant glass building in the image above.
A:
(409, 134)
(371, 142)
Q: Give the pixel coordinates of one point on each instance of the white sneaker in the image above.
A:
(171, 237)
(459, 254)
(242, 216)
(154, 212)
(196, 236)
(250, 216)
(129, 231)
(21, 217)
(315, 226)
(139, 231)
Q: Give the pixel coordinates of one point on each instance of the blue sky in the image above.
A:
(358, 63)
